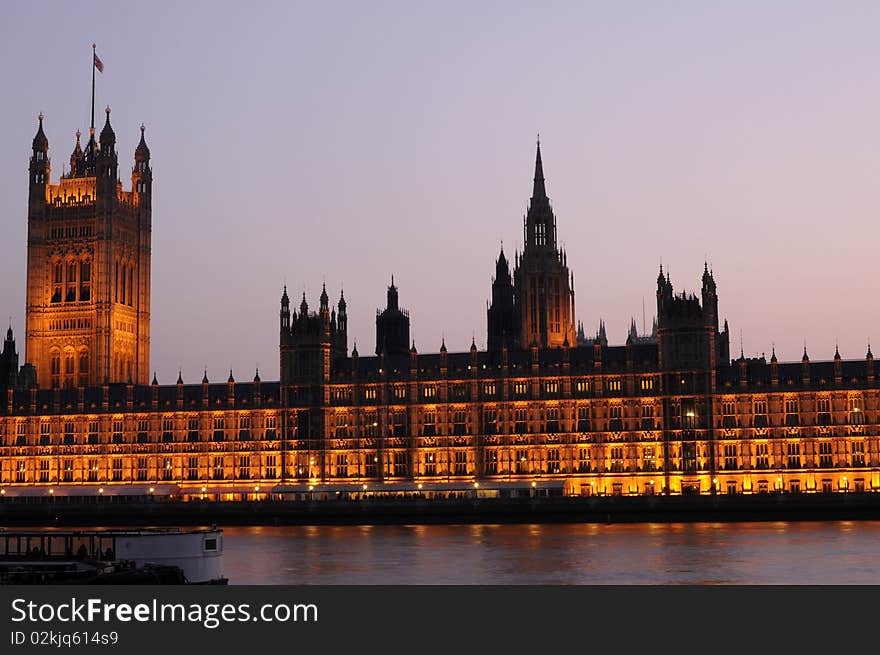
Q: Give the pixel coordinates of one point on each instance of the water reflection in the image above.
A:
(651, 553)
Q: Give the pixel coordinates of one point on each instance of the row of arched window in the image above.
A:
(69, 368)
(72, 280)
(123, 285)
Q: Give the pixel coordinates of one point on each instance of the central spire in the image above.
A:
(539, 191)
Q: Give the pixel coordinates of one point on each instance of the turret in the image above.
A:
(805, 367)
(40, 168)
(142, 174)
(838, 366)
(285, 313)
(76, 157)
(106, 168)
(392, 326)
(869, 364)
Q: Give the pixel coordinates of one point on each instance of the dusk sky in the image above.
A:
(345, 142)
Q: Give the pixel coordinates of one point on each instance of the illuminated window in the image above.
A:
(791, 412)
(68, 433)
(617, 463)
(45, 434)
(762, 460)
(85, 280)
(649, 459)
(520, 389)
(400, 464)
(244, 467)
(461, 467)
(614, 384)
(219, 428)
(583, 419)
(553, 465)
(520, 421)
(116, 471)
(430, 464)
(70, 295)
(490, 462)
(342, 465)
(553, 419)
(583, 460)
(646, 384)
(167, 468)
(429, 392)
(117, 432)
(730, 459)
(217, 469)
(858, 453)
(582, 387)
(490, 421)
(760, 413)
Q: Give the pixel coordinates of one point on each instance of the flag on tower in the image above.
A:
(98, 63)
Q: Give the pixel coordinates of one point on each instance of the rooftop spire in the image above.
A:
(539, 191)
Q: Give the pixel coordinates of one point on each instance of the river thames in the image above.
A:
(838, 552)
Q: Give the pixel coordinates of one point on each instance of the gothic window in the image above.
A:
(648, 416)
(761, 458)
(553, 419)
(85, 280)
(430, 464)
(617, 463)
(856, 415)
(460, 463)
(791, 412)
(67, 471)
(490, 462)
(57, 281)
(649, 461)
(83, 367)
(858, 453)
(69, 368)
(583, 419)
(244, 467)
(553, 465)
(490, 421)
(459, 426)
(730, 460)
(400, 466)
(55, 368)
(218, 468)
(142, 468)
(429, 424)
(521, 421)
(342, 465)
(522, 461)
(167, 430)
(583, 460)
(793, 451)
(760, 413)
(429, 392)
(116, 282)
(131, 285)
(70, 295)
(167, 468)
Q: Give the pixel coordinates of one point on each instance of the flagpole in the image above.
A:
(93, 88)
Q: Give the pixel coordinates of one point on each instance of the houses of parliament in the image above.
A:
(543, 410)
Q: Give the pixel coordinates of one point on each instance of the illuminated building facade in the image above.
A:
(88, 265)
(540, 411)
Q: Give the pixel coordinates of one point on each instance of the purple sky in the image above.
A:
(304, 142)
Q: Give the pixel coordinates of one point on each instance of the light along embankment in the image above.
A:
(63, 512)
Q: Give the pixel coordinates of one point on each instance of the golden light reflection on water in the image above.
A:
(650, 553)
